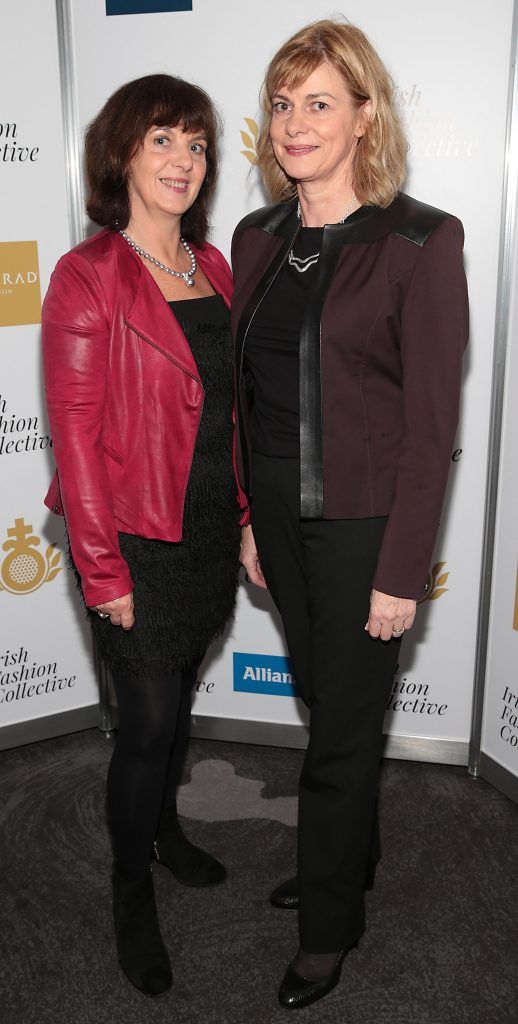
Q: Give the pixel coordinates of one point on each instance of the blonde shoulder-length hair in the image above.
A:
(379, 166)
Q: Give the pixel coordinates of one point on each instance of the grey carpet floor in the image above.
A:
(442, 940)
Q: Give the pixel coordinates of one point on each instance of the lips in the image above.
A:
(175, 184)
(300, 150)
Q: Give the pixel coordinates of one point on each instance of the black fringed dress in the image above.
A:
(184, 593)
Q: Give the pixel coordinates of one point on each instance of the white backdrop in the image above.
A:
(451, 65)
(45, 658)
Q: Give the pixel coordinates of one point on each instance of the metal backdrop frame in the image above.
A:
(481, 764)
(70, 114)
(277, 734)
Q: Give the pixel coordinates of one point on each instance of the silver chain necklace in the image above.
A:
(186, 275)
(302, 265)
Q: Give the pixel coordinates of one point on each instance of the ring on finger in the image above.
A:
(398, 632)
(103, 615)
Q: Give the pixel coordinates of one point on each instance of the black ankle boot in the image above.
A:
(142, 954)
(189, 864)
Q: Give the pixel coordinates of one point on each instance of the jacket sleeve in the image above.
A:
(434, 333)
(75, 335)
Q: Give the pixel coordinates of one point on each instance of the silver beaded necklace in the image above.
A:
(302, 265)
(186, 275)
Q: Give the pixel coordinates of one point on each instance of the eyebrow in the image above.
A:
(310, 96)
(171, 128)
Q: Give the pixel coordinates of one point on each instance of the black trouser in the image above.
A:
(319, 574)
(147, 763)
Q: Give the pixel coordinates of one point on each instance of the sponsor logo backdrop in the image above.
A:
(224, 47)
(45, 657)
(20, 299)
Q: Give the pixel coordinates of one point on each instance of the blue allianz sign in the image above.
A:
(146, 6)
(263, 673)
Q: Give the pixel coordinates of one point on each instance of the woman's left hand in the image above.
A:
(250, 559)
(389, 616)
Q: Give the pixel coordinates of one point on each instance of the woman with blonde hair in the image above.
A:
(350, 319)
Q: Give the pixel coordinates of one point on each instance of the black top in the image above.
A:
(208, 309)
(271, 355)
(185, 591)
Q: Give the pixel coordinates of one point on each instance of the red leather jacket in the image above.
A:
(124, 399)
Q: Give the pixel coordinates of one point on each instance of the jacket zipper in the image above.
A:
(187, 477)
(198, 381)
(263, 296)
(166, 354)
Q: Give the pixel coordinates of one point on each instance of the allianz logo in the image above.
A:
(266, 675)
(263, 673)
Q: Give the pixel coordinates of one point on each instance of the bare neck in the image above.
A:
(327, 204)
(158, 236)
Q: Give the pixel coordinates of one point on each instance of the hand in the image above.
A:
(388, 615)
(120, 611)
(249, 558)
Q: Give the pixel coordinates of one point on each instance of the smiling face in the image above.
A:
(315, 128)
(167, 172)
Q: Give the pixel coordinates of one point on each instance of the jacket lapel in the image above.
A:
(149, 315)
(217, 271)
(273, 245)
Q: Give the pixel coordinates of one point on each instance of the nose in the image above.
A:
(182, 157)
(296, 123)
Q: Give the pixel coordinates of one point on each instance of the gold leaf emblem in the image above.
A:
(436, 583)
(249, 140)
(25, 569)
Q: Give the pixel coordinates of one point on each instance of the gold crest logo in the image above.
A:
(436, 583)
(250, 140)
(25, 569)
(20, 297)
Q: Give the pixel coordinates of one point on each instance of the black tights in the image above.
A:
(147, 763)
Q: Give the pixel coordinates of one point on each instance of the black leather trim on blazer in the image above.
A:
(405, 217)
(288, 229)
(310, 391)
(272, 219)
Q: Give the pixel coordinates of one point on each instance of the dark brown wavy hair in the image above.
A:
(114, 137)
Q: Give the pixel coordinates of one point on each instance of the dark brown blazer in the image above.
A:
(380, 369)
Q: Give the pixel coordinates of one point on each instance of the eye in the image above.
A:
(281, 107)
(199, 148)
(161, 140)
(320, 105)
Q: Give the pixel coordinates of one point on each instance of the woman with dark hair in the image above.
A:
(138, 377)
(350, 317)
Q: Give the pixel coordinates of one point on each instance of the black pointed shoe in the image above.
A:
(141, 951)
(286, 895)
(189, 864)
(296, 991)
